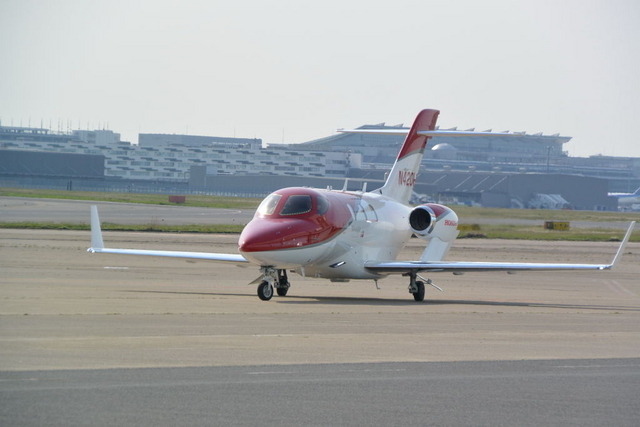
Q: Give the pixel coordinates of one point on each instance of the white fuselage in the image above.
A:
(377, 231)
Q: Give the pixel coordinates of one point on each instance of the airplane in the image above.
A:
(343, 235)
(628, 200)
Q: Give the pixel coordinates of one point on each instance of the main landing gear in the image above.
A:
(271, 278)
(416, 287)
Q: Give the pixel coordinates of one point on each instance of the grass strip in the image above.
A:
(522, 232)
(543, 214)
(251, 203)
(525, 232)
(222, 202)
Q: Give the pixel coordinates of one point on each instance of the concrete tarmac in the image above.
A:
(64, 310)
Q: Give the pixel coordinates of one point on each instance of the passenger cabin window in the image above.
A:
(296, 205)
(370, 213)
(365, 212)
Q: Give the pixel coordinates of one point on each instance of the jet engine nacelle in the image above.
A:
(433, 220)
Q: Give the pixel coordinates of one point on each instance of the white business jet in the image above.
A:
(342, 235)
(628, 201)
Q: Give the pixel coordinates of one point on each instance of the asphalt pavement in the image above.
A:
(583, 392)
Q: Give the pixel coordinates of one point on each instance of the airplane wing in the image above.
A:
(97, 246)
(401, 267)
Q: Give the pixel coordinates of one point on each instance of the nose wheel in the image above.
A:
(265, 291)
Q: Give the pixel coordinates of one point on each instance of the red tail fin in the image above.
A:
(402, 177)
(425, 120)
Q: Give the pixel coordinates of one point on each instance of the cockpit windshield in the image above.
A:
(296, 205)
(268, 205)
(293, 204)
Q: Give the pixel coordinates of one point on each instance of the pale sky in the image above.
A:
(292, 71)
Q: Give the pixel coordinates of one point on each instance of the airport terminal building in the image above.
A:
(518, 170)
(516, 148)
(160, 157)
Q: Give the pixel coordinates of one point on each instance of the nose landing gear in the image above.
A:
(272, 277)
(265, 291)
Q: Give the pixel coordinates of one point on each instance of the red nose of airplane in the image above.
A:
(265, 234)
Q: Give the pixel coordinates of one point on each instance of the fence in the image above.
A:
(119, 186)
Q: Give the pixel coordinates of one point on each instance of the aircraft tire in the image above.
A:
(419, 294)
(265, 291)
(282, 292)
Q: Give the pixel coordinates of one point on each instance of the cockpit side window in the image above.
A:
(268, 205)
(323, 205)
(296, 205)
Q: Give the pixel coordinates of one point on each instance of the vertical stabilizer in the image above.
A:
(402, 178)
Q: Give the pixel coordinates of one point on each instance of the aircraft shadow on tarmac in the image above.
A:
(316, 300)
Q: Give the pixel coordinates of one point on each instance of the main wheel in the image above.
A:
(283, 283)
(419, 294)
(265, 291)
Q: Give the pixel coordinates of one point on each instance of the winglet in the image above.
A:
(625, 240)
(96, 232)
